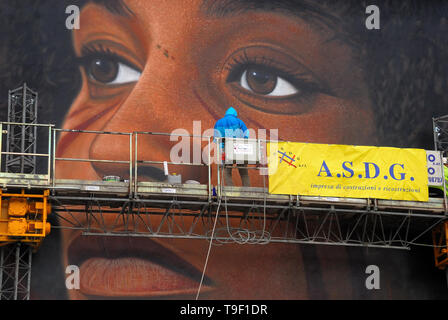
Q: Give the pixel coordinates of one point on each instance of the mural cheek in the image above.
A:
(338, 121)
(86, 115)
(330, 120)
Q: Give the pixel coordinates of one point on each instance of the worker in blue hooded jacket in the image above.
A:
(232, 127)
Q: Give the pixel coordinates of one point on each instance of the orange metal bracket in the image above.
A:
(23, 218)
(440, 241)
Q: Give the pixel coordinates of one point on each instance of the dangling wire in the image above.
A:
(243, 235)
(209, 249)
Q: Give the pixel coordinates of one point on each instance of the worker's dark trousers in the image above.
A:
(244, 173)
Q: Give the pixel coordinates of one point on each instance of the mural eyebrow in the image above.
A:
(117, 7)
(339, 16)
(304, 9)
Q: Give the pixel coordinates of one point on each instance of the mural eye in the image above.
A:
(109, 71)
(263, 81)
(103, 70)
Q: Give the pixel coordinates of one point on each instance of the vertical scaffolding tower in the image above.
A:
(15, 275)
(440, 234)
(20, 140)
(15, 259)
(440, 126)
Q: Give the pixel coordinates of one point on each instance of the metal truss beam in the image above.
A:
(21, 139)
(251, 223)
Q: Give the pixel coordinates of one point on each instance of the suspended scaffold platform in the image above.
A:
(136, 208)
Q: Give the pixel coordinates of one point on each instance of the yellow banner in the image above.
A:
(347, 171)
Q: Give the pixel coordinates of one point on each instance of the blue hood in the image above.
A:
(231, 112)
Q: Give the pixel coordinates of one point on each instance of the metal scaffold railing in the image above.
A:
(131, 205)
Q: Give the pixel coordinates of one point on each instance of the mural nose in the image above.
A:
(148, 135)
(115, 153)
(119, 152)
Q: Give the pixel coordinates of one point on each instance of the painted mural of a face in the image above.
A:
(170, 63)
